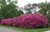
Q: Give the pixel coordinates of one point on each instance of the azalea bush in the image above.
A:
(30, 21)
(17, 20)
(6, 22)
(27, 21)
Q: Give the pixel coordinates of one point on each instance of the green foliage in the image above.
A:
(9, 10)
(12, 1)
(30, 8)
(45, 7)
(0, 14)
(20, 13)
(2, 3)
(48, 17)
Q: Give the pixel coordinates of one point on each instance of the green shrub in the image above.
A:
(48, 17)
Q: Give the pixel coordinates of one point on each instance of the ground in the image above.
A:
(2, 29)
(47, 31)
(16, 29)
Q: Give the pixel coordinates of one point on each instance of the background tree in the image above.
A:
(2, 3)
(30, 7)
(45, 8)
(20, 13)
(9, 10)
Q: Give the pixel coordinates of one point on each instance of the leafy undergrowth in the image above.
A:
(26, 30)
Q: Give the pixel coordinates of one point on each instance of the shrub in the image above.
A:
(48, 17)
(14, 21)
(30, 21)
(6, 22)
(26, 21)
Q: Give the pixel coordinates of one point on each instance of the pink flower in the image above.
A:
(26, 21)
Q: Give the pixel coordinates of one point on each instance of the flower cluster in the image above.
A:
(27, 21)
(18, 20)
(6, 22)
(30, 21)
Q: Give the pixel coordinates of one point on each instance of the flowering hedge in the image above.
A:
(27, 21)
(30, 21)
(6, 22)
(17, 21)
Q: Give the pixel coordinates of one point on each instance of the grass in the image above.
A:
(26, 30)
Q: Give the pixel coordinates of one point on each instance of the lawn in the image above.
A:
(26, 30)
